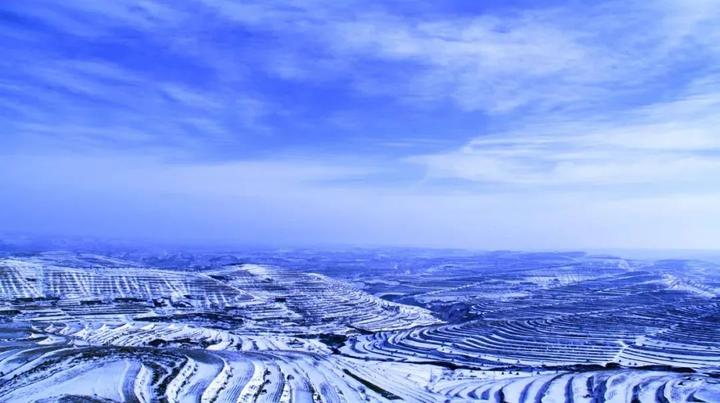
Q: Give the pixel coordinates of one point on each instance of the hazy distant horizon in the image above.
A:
(93, 244)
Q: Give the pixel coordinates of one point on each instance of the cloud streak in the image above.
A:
(662, 144)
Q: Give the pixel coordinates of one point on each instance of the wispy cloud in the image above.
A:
(662, 144)
(538, 59)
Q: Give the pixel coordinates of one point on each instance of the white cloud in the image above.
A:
(540, 59)
(664, 144)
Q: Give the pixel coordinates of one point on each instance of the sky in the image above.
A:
(490, 124)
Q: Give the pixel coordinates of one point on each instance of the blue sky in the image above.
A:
(495, 124)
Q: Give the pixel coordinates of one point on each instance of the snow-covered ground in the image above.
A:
(106, 329)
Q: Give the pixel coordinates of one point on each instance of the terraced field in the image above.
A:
(360, 326)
